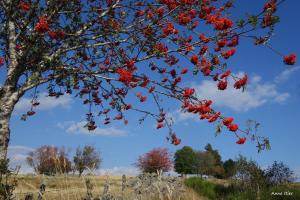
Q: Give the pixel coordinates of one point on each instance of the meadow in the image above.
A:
(75, 188)
(194, 188)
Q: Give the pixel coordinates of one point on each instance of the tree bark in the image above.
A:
(4, 134)
(7, 102)
(9, 94)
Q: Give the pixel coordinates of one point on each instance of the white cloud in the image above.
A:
(256, 94)
(119, 171)
(46, 102)
(78, 128)
(17, 156)
(178, 116)
(286, 74)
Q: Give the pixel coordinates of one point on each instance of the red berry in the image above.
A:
(241, 140)
(233, 127)
(227, 121)
(222, 85)
(30, 113)
(290, 60)
(159, 125)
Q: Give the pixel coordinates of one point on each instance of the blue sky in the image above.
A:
(272, 98)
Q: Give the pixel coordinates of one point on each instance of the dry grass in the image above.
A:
(74, 188)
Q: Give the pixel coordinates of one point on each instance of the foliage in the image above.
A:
(230, 168)
(219, 171)
(215, 153)
(158, 159)
(185, 160)
(205, 163)
(279, 174)
(208, 162)
(87, 158)
(49, 160)
(249, 174)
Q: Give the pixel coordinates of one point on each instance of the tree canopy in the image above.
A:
(185, 160)
(230, 168)
(49, 160)
(156, 160)
(105, 51)
(279, 173)
(205, 163)
(86, 158)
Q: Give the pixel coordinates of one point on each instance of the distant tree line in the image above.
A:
(51, 160)
(187, 161)
(209, 162)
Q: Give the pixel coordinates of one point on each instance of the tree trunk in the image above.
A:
(4, 134)
(80, 172)
(7, 103)
(9, 95)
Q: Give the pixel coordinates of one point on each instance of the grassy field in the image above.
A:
(74, 188)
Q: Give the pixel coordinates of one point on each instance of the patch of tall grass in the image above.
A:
(237, 192)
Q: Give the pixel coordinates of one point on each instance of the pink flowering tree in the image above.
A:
(156, 160)
(102, 51)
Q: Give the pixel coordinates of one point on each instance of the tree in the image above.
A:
(185, 161)
(205, 163)
(49, 160)
(279, 173)
(249, 175)
(215, 153)
(219, 171)
(104, 50)
(156, 160)
(230, 168)
(87, 158)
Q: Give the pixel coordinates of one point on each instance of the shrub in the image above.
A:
(202, 187)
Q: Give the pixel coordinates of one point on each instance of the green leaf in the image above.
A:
(275, 19)
(253, 20)
(240, 23)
